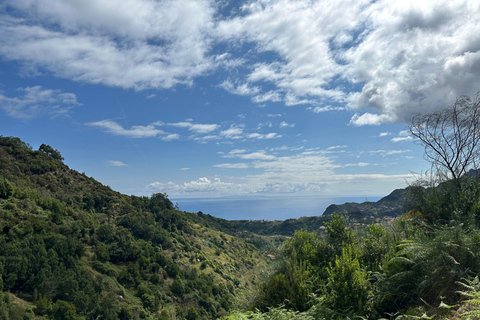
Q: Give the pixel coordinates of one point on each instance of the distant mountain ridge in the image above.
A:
(390, 205)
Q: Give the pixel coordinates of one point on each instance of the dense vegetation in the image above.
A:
(71, 248)
(425, 265)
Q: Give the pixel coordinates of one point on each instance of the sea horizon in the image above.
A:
(264, 207)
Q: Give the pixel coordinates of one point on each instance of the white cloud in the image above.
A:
(237, 151)
(36, 101)
(196, 127)
(402, 139)
(271, 135)
(205, 139)
(302, 174)
(370, 119)
(267, 124)
(272, 96)
(337, 147)
(171, 136)
(299, 32)
(283, 124)
(232, 165)
(384, 134)
(325, 109)
(240, 89)
(200, 186)
(414, 57)
(403, 136)
(136, 44)
(234, 132)
(382, 59)
(389, 152)
(115, 163)
(184, 169)
(114, 128)
(259, 155)
(359, 164)
(405, 56)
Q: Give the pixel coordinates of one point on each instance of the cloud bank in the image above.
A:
(309, 172)
(382, 60)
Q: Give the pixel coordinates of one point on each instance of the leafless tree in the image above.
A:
(451, 137)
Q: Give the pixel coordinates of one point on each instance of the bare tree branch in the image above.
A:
(451, 137)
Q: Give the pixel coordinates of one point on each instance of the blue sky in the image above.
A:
(226, 98)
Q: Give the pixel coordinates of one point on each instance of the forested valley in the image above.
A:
(72, 248)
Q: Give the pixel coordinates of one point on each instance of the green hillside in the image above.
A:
(72, 248)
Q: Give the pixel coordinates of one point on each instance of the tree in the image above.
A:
(451, 137)
(6, 189)
(49, 151)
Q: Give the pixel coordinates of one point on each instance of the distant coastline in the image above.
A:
(271, 208)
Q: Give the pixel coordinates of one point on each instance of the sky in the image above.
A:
(202, 99)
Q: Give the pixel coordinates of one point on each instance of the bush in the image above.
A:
(349, 291)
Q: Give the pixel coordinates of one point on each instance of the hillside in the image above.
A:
(72, 248)
(390, 206)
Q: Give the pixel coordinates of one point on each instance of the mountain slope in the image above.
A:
(390, 205)
(79, 250)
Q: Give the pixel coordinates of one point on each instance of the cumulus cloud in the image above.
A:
(136, 44)
(36, 101)
(383, 60)
(404, 56)
(403, 136)
(370, 119)
(414, 57)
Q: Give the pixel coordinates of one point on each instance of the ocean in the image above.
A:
(271, 208)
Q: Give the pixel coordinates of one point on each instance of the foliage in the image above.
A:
(272, 314)
(72, 248)
(75, 249)
(470, 289)
(348, 289)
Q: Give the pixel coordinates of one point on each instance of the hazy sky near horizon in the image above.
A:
(235, 98)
